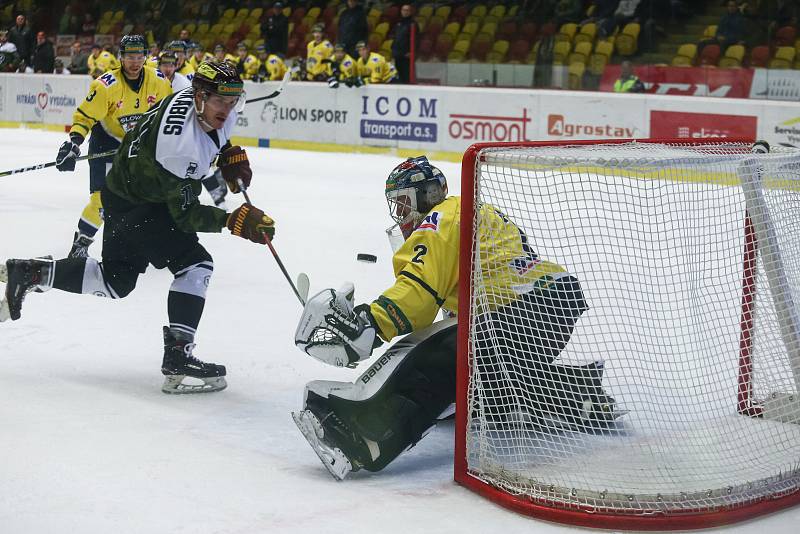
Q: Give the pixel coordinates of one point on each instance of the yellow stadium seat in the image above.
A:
(710, 31)
(567, 32)
(627, 42)
(202, 28)
(464, 37)
(489, 27)
(561, 51)
(230, 28)
(443, 11)
(229, 14)
(382, 29)
(512, 11)
(588, 32)
(580, 54)
(500, 46)
(733, 57)
(287, 11)
(575, 75)
(685, 56)
(105, 17)
(498, 11)
(498, 52)
(597, 63)
(314, 12)
(452, 28)
(191, 28)
(461, 46)
(425, 11)
(783, 58)
(217, 28)
(175, 29)
(470, 28)
(256, 13)
(456, 56)
(478, 11)
(118, 16)
(242, 13)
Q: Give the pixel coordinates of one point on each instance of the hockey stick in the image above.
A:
(303, 282)
(270, 96)
(274, 93)
(53, 163)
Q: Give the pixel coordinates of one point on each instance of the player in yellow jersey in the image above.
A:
(317, 51)
(112, 107)
(399, 398)
(100, 61)
(342, 68)
(247, 65)
(182, 67)
(270, 66)
(153, 56)
(373, 67)
(197, 55)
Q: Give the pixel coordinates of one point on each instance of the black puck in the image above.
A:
(368, 258)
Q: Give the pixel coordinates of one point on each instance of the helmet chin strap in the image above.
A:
(200, 110)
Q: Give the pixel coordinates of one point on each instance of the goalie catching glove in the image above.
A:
(235, 166)
(333, 331)
(249, 222)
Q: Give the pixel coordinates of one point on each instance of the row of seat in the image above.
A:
(784, 53)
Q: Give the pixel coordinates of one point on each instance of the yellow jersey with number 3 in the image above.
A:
(426, 268)
(112, 102)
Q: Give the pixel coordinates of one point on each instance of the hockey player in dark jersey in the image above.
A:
(152, 214)
(399, 398)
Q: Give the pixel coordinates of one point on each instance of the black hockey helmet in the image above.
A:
(219, 78)
(416, 185)
(167, 56)
(132, 44)
(177, 46)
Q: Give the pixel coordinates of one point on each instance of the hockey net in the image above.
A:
(688, 255)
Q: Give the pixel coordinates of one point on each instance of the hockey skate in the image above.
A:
(22, 277)
(179, 364)
(80, 246)
(332, 457)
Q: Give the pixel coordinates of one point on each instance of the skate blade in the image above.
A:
(334, 460)
(173, 385)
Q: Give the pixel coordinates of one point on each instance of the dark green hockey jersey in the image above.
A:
(163, 159)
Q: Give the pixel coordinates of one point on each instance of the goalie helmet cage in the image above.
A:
(688, 254)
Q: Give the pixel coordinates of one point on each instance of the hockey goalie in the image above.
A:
(532, 310)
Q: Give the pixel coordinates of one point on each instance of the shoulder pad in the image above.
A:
(107, 79)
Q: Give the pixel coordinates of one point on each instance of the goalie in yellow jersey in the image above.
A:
(115, 101)
(399, 398)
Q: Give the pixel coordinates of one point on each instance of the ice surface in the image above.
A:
(88, 443)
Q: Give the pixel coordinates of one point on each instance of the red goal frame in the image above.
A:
(590, 516)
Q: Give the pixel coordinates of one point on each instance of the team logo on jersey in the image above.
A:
(151, 99)
(107, 79)
(523, 264)
(430, 222)
(191, 170)
(128, 122)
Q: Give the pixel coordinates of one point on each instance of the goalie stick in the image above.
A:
(273, 94)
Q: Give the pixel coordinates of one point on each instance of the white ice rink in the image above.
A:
(89, 444)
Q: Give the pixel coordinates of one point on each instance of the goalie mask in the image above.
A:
(413, 189)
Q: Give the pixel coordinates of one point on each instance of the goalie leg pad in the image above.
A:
(332, 457)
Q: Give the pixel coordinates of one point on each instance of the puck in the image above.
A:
(368, 258)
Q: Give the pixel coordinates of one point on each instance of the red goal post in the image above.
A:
(693, 202)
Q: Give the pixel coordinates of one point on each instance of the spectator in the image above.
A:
(58, 67)
(604, 10)
(568, 11)
(21, 35)
(9, 59)
(158, 26)
(78, 59)
(44, 54)
(352, 26)
(401, 46)
(275, 30)
(89, 26)
(730, 29)
(184, 36)
(625, 13)
(152, 55)
(68, 24)
(628, 82)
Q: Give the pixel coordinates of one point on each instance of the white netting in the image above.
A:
(656, 237)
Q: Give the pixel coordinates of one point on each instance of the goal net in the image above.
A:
(688, 259)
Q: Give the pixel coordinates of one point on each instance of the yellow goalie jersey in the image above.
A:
(426, 269)
(316, 53)
(114, 103)
(376, 69)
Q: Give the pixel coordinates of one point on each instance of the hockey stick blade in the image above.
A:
(303, 285)
(53, 163)
(276, 92)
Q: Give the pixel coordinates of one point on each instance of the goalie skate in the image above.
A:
(332, 457)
